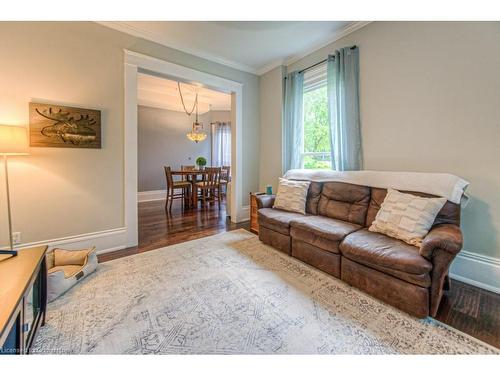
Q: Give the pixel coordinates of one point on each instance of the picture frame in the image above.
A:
(62, 126)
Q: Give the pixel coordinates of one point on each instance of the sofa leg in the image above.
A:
(447, 283)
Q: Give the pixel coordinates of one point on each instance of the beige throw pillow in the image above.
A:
(406, 216)
(292, 195)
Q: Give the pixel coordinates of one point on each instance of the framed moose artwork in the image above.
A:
(58, 126)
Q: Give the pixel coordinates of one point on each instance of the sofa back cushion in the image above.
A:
(313, 196)
(449, 214)
(344, 201)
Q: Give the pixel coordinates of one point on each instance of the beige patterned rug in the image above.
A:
(231, 294)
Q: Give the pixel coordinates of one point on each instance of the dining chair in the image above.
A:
(225, 176)
(172, 185)
(210, 183)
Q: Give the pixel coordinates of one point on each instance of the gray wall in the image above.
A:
(67, 192)
(221, 116)
(271, 100)
(162, 141)
(429, 96)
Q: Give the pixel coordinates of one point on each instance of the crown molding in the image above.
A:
(271, 66)
(349, 29)
(154, 37)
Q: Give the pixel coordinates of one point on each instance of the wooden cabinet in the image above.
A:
(23, 295)
(254, 222)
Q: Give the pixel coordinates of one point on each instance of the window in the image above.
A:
(316, 148)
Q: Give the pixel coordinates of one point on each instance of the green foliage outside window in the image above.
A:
(311, 162)
(316, 132)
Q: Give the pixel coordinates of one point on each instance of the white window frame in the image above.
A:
(316, 72)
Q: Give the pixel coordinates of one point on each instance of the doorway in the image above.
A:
(136, 63)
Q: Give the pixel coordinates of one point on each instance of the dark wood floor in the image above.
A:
(472, 310)
(157, 229)
(467, 308)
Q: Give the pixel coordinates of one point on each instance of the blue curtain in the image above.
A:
(293, 121)
(343, 109)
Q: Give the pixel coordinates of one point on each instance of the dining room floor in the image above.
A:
(158, 228)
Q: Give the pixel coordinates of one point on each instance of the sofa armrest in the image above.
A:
(447, 237)
(265, 201)
(440, 246)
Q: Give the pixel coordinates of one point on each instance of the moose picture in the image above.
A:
(57, 126)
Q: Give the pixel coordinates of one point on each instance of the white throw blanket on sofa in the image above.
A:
(444, 185)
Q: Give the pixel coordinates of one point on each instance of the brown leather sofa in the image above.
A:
(333, 236)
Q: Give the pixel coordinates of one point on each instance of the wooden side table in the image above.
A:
(254, 220)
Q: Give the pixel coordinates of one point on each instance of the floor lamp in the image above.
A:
(13, 142)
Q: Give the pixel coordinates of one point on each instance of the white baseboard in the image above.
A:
(153, 195)
(478, 270)
(244, 214)
(105, 241)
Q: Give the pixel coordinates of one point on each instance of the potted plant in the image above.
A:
(201, 162)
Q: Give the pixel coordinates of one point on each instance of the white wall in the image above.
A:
(69, 192)
(429, 96)
(162, 141)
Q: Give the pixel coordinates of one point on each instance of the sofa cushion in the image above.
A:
(313, 195)
(325, 227)
(377, 197)
(277, 220)
(308, 237)
(379, 250)
(321, 231)
(344, 201)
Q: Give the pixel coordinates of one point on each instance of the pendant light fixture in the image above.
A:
(196, 134)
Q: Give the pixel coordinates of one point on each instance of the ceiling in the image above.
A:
(252, 46)
(163, 93)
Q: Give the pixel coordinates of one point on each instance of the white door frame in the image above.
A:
(135, 62)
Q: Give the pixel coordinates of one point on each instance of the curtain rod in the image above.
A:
(318, 63)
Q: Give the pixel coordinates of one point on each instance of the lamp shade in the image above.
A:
(13, 140)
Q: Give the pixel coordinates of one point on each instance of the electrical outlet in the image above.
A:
(16, 238)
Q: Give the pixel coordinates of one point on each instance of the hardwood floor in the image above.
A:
(157, 229)
(465, 307)
(472, 310)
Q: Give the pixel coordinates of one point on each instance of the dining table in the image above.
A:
(193, 173)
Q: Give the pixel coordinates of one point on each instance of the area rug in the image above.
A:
(231, 294)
